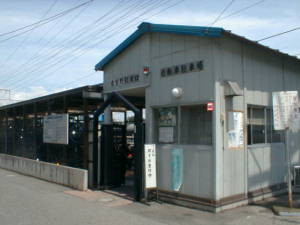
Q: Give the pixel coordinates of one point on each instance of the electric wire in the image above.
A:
(41, 22)
(108, 37)
(55, 35)
(222, 12)
(103, 40)
(93, 35)
(279, 34)
(157, 13)
(36, 61)
(62, 46)
(26, 38)
(241, 10)
(78, 79)
(84, 44)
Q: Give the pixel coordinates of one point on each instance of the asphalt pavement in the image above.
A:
(28, 201)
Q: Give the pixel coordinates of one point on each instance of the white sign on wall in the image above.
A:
(166, 135)
(56, 129)
(285, 110)
(235, 130)
(150, 165)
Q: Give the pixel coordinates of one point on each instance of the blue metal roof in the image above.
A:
(149, 27)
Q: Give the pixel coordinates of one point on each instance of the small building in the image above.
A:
(208, 103)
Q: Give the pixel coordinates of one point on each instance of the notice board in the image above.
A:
(56, 129)
(285, 110)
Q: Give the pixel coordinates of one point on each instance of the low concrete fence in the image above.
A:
(68, 176)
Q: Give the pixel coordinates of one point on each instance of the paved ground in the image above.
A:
(28, 201)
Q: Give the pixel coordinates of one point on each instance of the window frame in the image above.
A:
(265, 108)
(179, 121)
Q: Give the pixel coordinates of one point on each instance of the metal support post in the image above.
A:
(288, 162)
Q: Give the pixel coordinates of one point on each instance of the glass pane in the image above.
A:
(258, 132)
(196, 125)
(249, 134)
(277, 135)
(269, 125)
(258, 125)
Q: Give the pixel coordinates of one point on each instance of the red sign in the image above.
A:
(210, 106)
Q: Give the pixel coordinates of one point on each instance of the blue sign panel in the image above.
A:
(177, 168)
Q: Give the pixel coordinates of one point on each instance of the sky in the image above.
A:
(61, 53)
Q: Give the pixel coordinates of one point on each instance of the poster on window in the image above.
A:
(235, 130)
(167, 117)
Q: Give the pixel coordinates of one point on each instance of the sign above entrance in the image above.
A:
(125, 80)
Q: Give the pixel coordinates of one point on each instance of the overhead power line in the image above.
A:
(222, 12)
(91, 41)
(276, 35)
(117, 31)
(41, 48)
(78, 79)
(241, 10)
(82, 33)
(157, 13)
(40, 23)
(59, 55)
(26, 38)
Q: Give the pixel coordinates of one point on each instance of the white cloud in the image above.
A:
(33, 92)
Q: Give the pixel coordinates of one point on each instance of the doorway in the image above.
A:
(120, 167)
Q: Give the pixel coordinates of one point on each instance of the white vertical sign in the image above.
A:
(56, 129)
(150, 165)
(285, 109)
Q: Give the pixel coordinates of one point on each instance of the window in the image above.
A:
(192, 125)
(260, 126)
(196, 125)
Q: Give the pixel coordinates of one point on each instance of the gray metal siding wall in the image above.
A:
(230, 168)
(197, 172)
(129, 62)
(259, 73)
(170, 50)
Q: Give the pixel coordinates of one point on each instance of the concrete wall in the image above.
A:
(68, 176)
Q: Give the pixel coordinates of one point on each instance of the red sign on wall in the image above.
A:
(210, 106)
